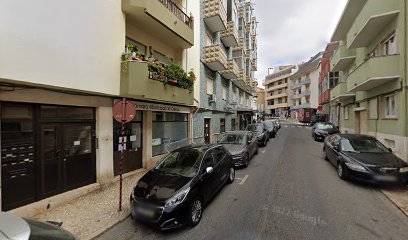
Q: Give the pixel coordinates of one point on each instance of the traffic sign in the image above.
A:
(124, 111)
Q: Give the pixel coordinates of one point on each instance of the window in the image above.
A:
(210, 85)
(159, 57)
(372, 109)
(140, 47)
(224, 92)
(389, 106)
(208, 159)
(208, 39)
(219, 154)
(233, 124)
(222, 125)
(170, 131)
(389, 45)
(346, 112)
(334, 79)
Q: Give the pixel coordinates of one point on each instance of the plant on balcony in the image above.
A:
(176, 74)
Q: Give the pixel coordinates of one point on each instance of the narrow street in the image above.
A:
(288, 192)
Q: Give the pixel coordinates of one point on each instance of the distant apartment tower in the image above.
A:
(324, 81)
(304, 86)
(277, 90)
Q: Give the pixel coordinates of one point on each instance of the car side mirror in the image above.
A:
(248, 142)
(336, 148)
(390, 149)
(209, 170)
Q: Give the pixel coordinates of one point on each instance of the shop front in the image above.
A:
(156, 130)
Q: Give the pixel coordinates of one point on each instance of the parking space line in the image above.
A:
(243, 180)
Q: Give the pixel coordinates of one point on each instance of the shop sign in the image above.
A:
(145, 106)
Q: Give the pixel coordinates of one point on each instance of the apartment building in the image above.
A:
(260, 101)
(277, 98)
(325, 77)
(61, 71)
(304, 86)
(227, 49)
(371, 58)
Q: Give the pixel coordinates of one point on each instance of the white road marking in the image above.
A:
(243, 180)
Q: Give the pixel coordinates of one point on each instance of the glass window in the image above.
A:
(185, 163)
(224, 92)
(233, 124)
(78, 140)
(219, 154)
(133, 133)
(160, 57)
(209, 159)
(210, 85)
(389, 106)
(67, 112)
(140, 47)
(222, 125)
(170, 131)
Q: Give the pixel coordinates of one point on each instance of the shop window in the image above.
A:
(170, 131)
(222, 125)
(390, 106)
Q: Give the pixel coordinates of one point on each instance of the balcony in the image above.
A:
(296, 96)
(240, 45)
(214, 15)
(283, 85)
(240, 81)
(305, 93)
(372, 20)
(215, 57)
(374, 72)
(343, 58)
(135, 82)
(296, 85)
(339, 93)
(232, 70)
(162, 18)
(304, 105)
(254, 64)
(305, 81)
(275, 96)
(230, 36)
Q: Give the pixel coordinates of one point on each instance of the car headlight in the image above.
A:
(403, 170)
(356, 167)
(177, 198)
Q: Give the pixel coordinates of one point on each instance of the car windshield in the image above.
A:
(362, 145)
(325, 126)
(45, 231)
(185, 163)
(233, 139)
(254, 128)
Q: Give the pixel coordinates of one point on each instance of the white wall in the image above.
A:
(72, 44)
(314, 88)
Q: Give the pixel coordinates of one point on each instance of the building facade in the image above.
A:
(277, 94)
(224, 94)
(260, 100)
(58, 84)
(371, 90)
(325, 76)
(304, 86)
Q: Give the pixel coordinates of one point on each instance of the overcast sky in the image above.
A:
(292, 31)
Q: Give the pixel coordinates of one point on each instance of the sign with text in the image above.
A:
(145, 106)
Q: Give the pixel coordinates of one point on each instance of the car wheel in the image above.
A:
(196, 212)
(341, 171)
(231, 175)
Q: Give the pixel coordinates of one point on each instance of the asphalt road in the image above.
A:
(288, 192)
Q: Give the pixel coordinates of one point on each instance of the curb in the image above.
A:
(100, 232)
(395, 203)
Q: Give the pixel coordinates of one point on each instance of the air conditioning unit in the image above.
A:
(212, 98)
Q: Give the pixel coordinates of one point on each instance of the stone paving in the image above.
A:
(95, 212)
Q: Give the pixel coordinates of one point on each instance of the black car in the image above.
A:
(277, 123)
(260, 131)
(175, 192)
(364, 158)
(272, 128)
(242, 145)
(321, 130)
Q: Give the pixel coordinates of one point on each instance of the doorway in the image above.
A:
(360, 126)
(207, 130)
(67, 157)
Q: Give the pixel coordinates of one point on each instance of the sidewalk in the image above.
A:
(95, 212)
(399, 197)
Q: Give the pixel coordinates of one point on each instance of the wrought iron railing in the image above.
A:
(177, 12)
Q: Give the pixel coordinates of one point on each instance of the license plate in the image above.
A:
(145, 212)
(387, 178)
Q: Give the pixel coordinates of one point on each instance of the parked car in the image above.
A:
(364, 158)
(16, 228)
(272, 128)
(260, 131)
(277, 123)
(242, 145)
(321, 130)
(175, 192)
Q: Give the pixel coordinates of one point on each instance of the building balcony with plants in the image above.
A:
(143, 77)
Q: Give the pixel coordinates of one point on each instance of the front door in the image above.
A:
(363, 122)
(207, 130)
(67, 157)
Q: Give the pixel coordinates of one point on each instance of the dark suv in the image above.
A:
(261, 131)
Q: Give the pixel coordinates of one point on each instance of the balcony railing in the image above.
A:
(305, 81)
(215, 57)
(214, 15)
(296, 85)
(177, 12)
(232, 70)
(305, 93)
(230, 36)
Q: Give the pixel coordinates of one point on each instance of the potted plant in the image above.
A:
(175, 73)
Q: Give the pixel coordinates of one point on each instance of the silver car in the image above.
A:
(16, 228)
